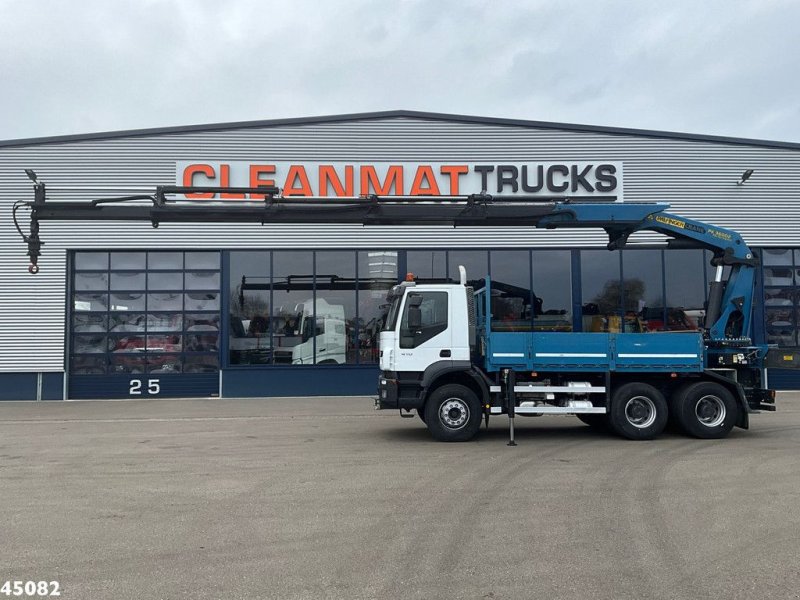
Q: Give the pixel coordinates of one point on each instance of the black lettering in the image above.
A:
(552, 170)
(606, 178)
(484, 170)
(580, 178)
(507, 174)
(540, 179)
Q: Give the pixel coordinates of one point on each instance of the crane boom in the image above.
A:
(728, 304)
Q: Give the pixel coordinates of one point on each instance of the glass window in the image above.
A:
(91, 281)
(511, 290)
(88, 365)
(136, 331)
(123, 301)
(89, 344)
(165, 321)
(165, 260)
(172, 301)
(249, 301)
(128, 280)
(202, 280)
(89, 323)
(293, 302)
(128, 260)
(90, 302)
(202, 260)
(335, 309)
(552, 288)
(164, 363)
(427, 264)
(685, 290)
(201, 301)
(777, 257)
(600, 285)
(642, 290)
(127, 322)
(433, 318)
(164, 281)
(93, 261)
(377, 273)
(476, 262)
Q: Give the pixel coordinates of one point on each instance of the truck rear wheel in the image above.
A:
(638, 411)
(453, 413)
(706, 410)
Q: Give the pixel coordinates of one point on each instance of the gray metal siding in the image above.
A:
(697, 177)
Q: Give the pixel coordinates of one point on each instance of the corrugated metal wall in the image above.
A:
(697, 177)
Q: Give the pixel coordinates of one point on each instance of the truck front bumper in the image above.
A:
(387, 393)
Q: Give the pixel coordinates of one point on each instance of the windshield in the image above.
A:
(394, 309)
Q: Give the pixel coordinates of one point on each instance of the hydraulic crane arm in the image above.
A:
(729, 308)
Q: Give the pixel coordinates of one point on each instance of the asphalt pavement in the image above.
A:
(326, 498)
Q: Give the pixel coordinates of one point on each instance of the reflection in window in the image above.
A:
(428, 264)
(128, 280)
(172, 301)
(685, 290)
(249, 301)
(293, 303)
(511, 290)
(93, 261)
(121, 301)
(89, 323)
(165, 260)
(91, 281)
(128, 260)
(158, 281)
(140, 326)
(642, 291)
(602, 291)
(377, 273)
(476, 262)
(89, 344)
(90, 302)
(552, 288)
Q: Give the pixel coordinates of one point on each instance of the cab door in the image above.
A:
(425, 335)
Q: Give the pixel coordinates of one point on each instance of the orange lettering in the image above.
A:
(225, 181)
(328, 174)
(454, 171)
(394, 176)
(256, 181)
(297, 173)
(188, 178)
(424, 173)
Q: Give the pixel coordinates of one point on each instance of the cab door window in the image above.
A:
(432, 308)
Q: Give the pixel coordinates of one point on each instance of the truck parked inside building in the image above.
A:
(447, 353)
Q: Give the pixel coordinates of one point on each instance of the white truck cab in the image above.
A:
(322, 324)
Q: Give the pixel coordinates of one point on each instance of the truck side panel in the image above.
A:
(594, 352)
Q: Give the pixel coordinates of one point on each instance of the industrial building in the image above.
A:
(123, 310)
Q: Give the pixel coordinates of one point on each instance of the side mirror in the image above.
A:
(414, 317)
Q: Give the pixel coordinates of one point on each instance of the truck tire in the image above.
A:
(421, 414)
(706, 410)
(638, 411)
(453, 413)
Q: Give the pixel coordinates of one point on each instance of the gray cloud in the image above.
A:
(715, 67)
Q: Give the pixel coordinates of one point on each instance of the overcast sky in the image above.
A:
(720, 67)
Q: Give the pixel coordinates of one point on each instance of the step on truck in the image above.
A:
(446, 355)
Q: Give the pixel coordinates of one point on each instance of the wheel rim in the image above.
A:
(454, 413)
(710, 411)
(640, 411)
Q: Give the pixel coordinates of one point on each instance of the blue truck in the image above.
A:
(445, 354)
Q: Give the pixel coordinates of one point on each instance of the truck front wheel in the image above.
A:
(453, 413)
(638, 411)
(705, 410)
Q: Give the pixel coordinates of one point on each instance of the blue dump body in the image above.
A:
(566, 351)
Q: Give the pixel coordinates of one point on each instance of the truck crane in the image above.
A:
(442, 354)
